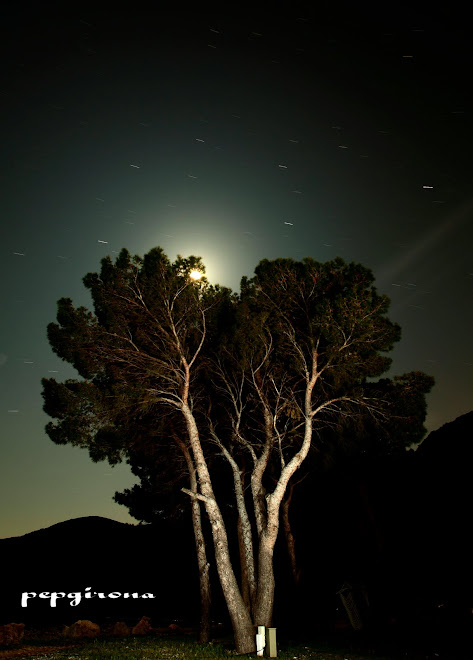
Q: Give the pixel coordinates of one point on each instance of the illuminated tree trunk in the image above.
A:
(204, 577)
(245, 586)
(245, 534)
(267, 539)
(242, 624)
(266, 582)
(203, 564)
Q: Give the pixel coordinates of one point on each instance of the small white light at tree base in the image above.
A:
(195, 274)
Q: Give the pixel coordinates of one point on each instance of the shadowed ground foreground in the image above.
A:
(49, 644)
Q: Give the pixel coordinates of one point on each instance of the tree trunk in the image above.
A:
(204, 577)
(266, 583)
(245, 586)
(245, 536)
(290, 542)
(203, 564)
(242, 624)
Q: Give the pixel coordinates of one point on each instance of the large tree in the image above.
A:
(247, 379)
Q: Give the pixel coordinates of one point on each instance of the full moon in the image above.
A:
(195, 274)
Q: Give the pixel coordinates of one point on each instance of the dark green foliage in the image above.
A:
(404, 408)
(332, 306)
(331, 311)
(146, 311)
(158, 495)
(150, 322)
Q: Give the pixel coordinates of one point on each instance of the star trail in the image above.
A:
(236, 137)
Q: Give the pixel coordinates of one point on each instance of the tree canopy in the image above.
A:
(176, 367)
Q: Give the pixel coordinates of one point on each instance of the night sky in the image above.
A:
(259, 134)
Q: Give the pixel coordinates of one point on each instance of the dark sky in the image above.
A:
(205, 133)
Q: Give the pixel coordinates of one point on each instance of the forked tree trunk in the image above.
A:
(245, 537)
(267, 512)
(267, 539)
(242, 624)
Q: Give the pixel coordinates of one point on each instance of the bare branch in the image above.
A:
(197, 496)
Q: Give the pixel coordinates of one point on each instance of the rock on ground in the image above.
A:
(11, 633)
(83, 628)
(143, 627)
(120, 629)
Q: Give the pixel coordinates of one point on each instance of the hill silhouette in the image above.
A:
(106, 556)
(445, 503)
(399, 526)
(451, 441)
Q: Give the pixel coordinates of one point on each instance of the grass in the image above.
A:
(166, 648)
(163, 644)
